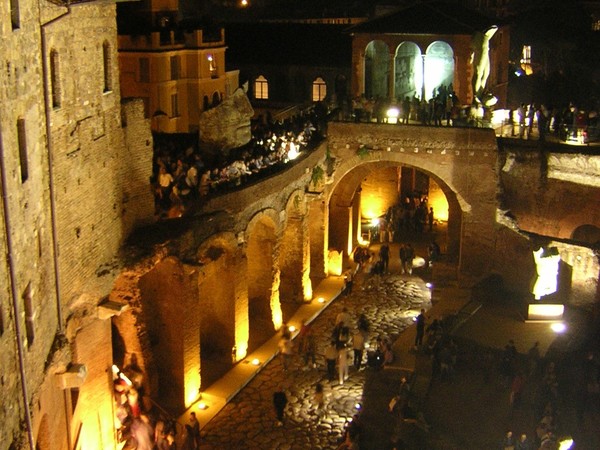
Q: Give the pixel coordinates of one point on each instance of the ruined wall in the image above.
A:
(550, 193)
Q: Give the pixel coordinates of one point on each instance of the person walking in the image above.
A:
(195, 429)
(280, 401)
(342, 365)
(420, 320)
(358, 348)
(331, 354)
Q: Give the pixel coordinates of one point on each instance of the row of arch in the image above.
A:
(410, 73)
(200, 319)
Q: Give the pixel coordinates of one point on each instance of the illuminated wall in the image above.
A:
(379, 192)
(437, 200)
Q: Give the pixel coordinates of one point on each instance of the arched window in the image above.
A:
(261, 88)
(54, 79)
(438, 68)
(377, 69)
(408, 71)
(107, 60)
(319, 89)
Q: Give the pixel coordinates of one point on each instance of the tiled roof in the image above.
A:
(427, 17)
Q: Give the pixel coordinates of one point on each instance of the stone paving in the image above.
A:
(248, 420)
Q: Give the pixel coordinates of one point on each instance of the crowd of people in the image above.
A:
(568, 123)
(182, 175)
(139, 425)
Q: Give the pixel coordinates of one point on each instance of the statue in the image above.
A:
(480, 59)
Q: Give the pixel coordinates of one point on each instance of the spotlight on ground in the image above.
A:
(558, 327)
(428, 285)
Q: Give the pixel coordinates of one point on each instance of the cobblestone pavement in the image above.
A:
(248, 420)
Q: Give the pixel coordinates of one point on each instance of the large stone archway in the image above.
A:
(461, 161)
(349, 206)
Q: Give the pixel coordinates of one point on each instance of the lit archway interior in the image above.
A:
(217, 309)
(259, 252)
(439, 68)
(374, 189)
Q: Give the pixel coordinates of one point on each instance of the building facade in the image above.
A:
(75, 169)
(176, 68)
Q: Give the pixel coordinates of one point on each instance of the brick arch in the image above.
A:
(263, 276)
(463, 162)
(353, 171)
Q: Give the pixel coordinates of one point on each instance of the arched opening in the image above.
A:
(377, 66)
(217, 308)
(169, 299)
(294, 257)
(408, 71)
(388, 202)
(587, 234)
(439, 68)
(264, 311)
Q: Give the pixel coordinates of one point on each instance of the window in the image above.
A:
(526, 56)
(29, 325)
(174, 106)
(261, 88)
(596, 25)
(54, 79)
(22, 142)
(212, 67)
(15, 18)
(174, 67)
(319, 90)
(106, 59)
(144, 70)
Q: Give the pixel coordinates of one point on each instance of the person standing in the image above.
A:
(342, 364)
(331, 357)
(319, 400)
(195, 429)
(420, 329)
(430, 218)
(285, 350)
(358, 348)
(384, 256)
(410, 256)
(279, 403)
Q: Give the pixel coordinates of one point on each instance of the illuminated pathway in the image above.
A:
(248, 420)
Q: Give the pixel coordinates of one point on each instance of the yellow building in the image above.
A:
(176, 67)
